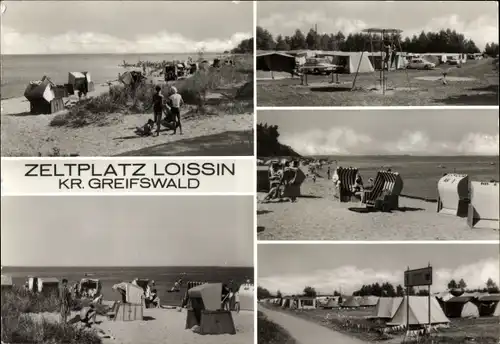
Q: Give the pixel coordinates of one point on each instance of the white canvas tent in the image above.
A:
(496, 313)
(470, 310)
(369, 301)
(419, 312)
(350, 302)
(387, 306)
(351, 61)
(331, 303)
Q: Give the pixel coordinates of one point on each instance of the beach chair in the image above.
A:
(111, 315)
(484, 206)
(384, 195)
(342, 190)
(263, 173)
(453, 194)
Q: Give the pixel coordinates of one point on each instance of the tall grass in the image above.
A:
(20, 325)
(120, 100)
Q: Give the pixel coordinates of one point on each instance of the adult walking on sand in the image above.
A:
(176, 102)
(158, 104)
(64, 301)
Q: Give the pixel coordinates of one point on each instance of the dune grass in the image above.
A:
(271, 333)
(120, 100)
(20, 326)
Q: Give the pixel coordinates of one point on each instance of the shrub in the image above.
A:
(18, 326)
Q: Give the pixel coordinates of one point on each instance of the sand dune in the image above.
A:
(27, 135)
(317, 216)
(167, 326)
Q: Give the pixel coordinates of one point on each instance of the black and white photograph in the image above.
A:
(408, 174)
(127, 78)
(127, 270)
(382, 293)
(377, 53)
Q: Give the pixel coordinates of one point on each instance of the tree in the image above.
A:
(298, 41)
(491, 49)
(245, 47)
(491, 286)
(400, 291)
(423, 292)
(312, 40)
(264, 38)
(462, 284)
(452, 284)
(278, 294)
(309, 292)
(262, 293)
(336, 293)
(281, 44)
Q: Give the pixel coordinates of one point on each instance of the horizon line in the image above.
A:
(128, 53)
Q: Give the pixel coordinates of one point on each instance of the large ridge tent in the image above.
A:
(350, 61)
(387, 306)
(368, 301)
(350, 302)
(489, 305)
(419, 312)
(461, 307)
(276, 62)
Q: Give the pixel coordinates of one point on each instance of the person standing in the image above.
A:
(158, 105)
(176, 102)
(65, 301)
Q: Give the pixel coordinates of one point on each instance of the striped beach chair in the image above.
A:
(342, 190)
(190, 285)
(384, 195)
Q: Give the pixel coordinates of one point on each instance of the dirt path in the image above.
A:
(306, 332)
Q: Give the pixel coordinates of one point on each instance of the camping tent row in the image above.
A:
(471, 305)
(352, 61)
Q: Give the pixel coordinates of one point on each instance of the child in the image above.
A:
(146, 130)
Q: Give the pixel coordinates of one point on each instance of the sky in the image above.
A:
(393, 132)
(55, 27)
(327, 267)
(127, 231)
(477, 20)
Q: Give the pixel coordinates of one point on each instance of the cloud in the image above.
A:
(345, 140)
(351, 278)
(72, 42)
(481, 30)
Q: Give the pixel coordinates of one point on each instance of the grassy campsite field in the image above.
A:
(480, 331)
(218, 104)
(482, 90)
(316, 216)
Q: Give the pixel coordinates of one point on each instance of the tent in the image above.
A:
(387, 306)
(461, 307)
(275, 61)
(350, 61)
(419, 312)
(331, 303)
(304, 302)
(7, 282)
(369, 301)
(444, 296)
(350, 302)
(246, 293)
(489, 305)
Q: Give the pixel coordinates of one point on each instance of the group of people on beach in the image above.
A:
(281, 175)
(170, 107)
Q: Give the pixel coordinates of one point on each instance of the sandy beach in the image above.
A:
(317, 216)
(24, 134)
(167, 326)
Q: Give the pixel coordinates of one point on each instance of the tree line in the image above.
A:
(443, 41)
(385, 289)
(244, 47)
(268, 143)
